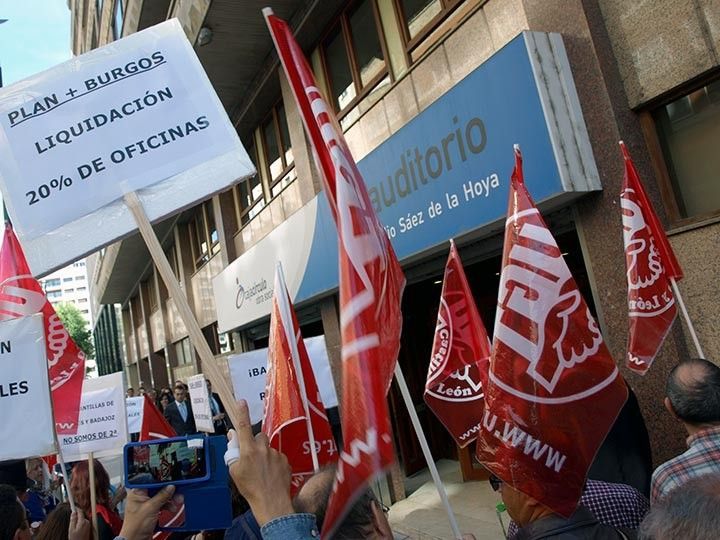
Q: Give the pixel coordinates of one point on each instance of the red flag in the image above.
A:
(650, 265)
(460, 357)
(553, 389)
(22, 296)
(154, 425)
(371, 285)
(291, 384)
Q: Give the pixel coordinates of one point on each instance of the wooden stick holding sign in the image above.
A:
(93, 495)
(219, 381)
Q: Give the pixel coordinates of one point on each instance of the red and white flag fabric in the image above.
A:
(290, 385)
(651, 264)
(154, 425)
(460, 357)
(21, 296)
(553, 389)
(371, 286)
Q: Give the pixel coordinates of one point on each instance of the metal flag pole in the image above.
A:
(400, 378)
(286, 320)
(689, 323)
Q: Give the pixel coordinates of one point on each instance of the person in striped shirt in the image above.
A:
(693, 397)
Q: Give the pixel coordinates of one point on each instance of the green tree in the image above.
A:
(77, 328)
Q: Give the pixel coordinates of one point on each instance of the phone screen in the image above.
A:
(160, 462)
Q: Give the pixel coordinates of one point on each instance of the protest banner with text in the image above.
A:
(27, 420)
(117, 119)
(200, 400)
(135, 410)
(102, 426)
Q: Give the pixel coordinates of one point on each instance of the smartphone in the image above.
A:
(156, 463)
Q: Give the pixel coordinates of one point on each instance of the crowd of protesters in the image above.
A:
(684, 500)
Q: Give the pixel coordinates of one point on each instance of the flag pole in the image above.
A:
(93, 495)
(66, 478)
(689, 323)
(400, 379)
(287, 321)
(219, 381)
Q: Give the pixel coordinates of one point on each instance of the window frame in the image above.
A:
(241, 212)
(411, 43)
(361, 91)
(199, 257)
(649, 128)
(274, 114)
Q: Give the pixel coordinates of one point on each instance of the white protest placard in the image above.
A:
(102, 426)
(138, 114)
(27, 425)
(200, 401)
(248, 371)
(134, 407)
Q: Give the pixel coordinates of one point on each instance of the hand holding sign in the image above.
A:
(261, 474)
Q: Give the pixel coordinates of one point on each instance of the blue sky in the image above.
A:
(36, 37)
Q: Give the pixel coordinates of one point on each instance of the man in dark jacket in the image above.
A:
(179, 413)
(538, 522)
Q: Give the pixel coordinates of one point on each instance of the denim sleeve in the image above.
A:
(295, 526)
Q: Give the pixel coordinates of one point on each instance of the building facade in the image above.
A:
(431, 94)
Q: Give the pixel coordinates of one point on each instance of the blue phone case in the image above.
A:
(207, 501)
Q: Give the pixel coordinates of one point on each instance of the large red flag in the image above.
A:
(22, 296)
(291, 384)
(650, 265)
(460, 357)
(154, 425)
(371, 285)
(553, 389)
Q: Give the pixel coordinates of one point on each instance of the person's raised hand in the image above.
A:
(79, 528)
(141, 512)
(260, 473)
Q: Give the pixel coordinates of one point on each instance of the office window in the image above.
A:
(688, 130)
(82, 300)
(184, 352)
(278, 152)
(50, 283)
(79, 278)
(117, 19)
(53, 294)
(204, 240)
(81, 289)
(419, 17)
(69, 291)
(354, 55)
(65, 280)
(248, 194)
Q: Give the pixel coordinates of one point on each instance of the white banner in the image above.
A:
(77, 137)
(27, 424)
(102, 426)
(200, 403)
(248, 371)
(135, 407)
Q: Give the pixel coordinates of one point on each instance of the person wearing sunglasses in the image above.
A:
(538, 522)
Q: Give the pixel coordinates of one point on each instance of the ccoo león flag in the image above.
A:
(553, 389)
(460, 357)
(291, 384)
(371, 286)
(650, 264)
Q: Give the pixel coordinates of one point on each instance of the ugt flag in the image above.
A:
(294, 419)
(553, 389)
(650, 265)
(154, 425)
(371, 285)
(460, 357)
(22, 296)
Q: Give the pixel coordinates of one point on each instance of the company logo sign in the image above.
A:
(257, 293)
